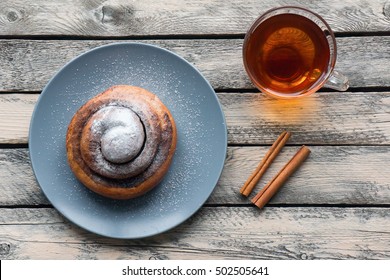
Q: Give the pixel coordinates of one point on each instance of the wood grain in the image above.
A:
(27, 65)
(213, 233)
(321, 119)
(129, 18)
(18, 185)
(336, 206)
(15, 116)
(331, 175)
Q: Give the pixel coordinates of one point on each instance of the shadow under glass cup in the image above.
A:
(290, 52)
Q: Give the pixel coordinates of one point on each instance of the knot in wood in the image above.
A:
(386, 9)
(116, 15)
(13, 15)
(158, 257)
(5, 248)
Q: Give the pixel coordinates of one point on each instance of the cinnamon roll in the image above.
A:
(120, 143)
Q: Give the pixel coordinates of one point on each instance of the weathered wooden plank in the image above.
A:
(17, 181)
(324, 118)
(27, 65)
(331, 175)
(213, 233)
(15, 116)
(126, 18)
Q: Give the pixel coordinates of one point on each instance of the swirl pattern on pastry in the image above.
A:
(121, 142)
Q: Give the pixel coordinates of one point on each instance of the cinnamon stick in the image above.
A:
(276, 183)
(249, 185)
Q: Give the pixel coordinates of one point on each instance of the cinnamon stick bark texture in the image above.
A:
(277, 182)
(275, 149)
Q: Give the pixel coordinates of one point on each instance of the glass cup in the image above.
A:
(290, 52)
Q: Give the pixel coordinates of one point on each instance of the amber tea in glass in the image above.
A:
(291, 52)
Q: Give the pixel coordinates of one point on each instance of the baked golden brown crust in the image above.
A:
(120, 143)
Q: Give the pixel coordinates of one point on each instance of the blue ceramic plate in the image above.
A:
(201, 147)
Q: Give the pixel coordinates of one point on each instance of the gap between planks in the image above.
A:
(167, 37)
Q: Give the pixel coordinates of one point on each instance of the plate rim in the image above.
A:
(220, 166)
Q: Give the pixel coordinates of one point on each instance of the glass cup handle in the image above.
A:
(337, 81)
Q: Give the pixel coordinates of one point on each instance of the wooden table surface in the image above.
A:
(336, 206)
